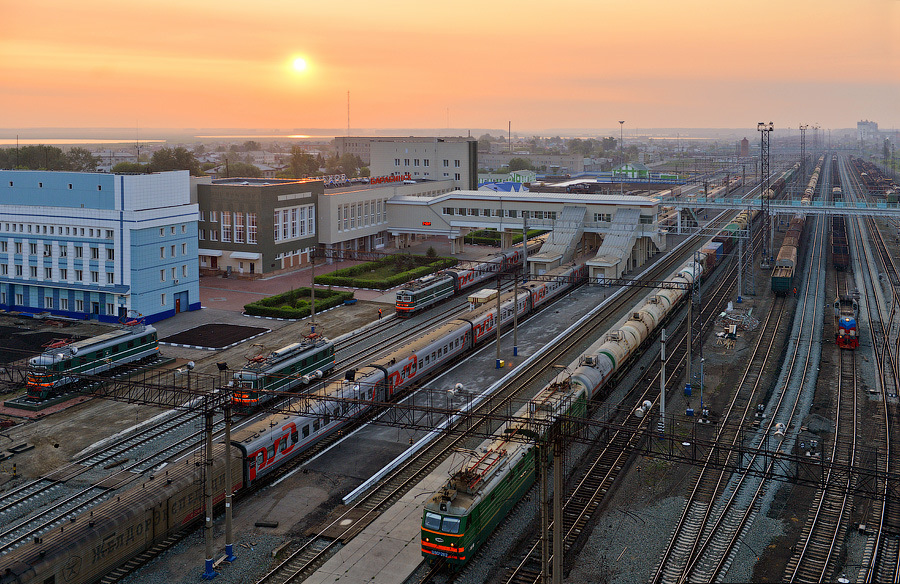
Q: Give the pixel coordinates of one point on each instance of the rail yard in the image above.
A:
(418, 448)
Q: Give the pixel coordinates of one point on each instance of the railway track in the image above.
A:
(586, 494)
(305, 558)
(721, 507)
(881, 557)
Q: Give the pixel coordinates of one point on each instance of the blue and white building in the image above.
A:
(96, 245)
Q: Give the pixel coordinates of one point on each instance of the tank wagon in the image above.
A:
(810, 193)
(419, 294)
(57, 370)
(114, 531)
(460, 516)
(281, 371)
(846, 333)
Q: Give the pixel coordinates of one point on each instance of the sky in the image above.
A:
(463, 64)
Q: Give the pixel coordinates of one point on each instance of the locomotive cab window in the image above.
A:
(432, 521)
(450, 525)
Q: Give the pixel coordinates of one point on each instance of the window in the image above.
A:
(448, 211)
(79, 251)
(63, 251)
(226, 226)
(184, 271)
(415, 162)
(183, 249)
(251, 227)
(426, 162)
(607, 217)
(173, 273)
(396, 163)
(202, 216)
(645, 220)
(172, 228)
(110, 308)
(162, 275)
(32, 248)
(95, 277)
(201, 234)
(48, 301)
(110, 278)
(406, 162)
(456, 176)
(33, 271)
(456, 164)
(184, 228)
(214, 216)
(64, 304)
(4, 269)
(213, 235)
(162, 231)
(162, 252)
(446, 163)
(110, 254)
(3, 246)
(294, 222)
(20, 299)
(79, 305)
(239, 228)
(109, 233)
(79, 275)
(173, 251)
(48, 273)
(63, 274)
(18, 247)
(162, 299)
(95, 253)
(18, 270)
(48, 249)
(277, 222)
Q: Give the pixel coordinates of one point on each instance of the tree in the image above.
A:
(243, 169)
(520, 164)
(174, 159)
(34, 157)
(484, 142)
(251, 145)
(302, 163)
(364, 171)
(128, 167)
(81, 160)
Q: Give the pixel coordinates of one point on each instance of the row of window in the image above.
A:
(172, 248)
(162, 230)
(62, 305)
(41, 185)
(58, 230)
(512, 213)
(363, 214)
(174, 270)
(294, 222)
(19, 271)
(425, 162)
(18, 248)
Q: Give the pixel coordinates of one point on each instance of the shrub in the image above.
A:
(388, 272)
(296, 304)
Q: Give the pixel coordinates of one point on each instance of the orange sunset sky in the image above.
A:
(460, 64)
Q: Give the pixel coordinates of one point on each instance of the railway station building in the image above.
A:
(96, 245)
(256, 226)
(620, 230)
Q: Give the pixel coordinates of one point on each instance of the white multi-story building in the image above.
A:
(95, 245)
(439, 159)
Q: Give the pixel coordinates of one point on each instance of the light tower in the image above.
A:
(621, 139)
(803, 128)
(765, 129)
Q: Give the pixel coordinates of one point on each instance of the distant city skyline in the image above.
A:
(654, 64)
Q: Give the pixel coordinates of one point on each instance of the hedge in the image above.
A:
(350, 276)
(296, 304)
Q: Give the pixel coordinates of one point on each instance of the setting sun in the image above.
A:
(299, 64)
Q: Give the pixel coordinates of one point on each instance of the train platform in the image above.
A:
(388, 550)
